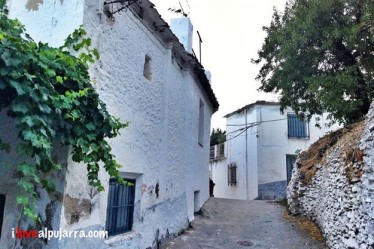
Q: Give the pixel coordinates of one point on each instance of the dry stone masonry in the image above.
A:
(333, 185)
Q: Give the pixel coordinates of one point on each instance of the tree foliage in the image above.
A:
(217, 136)
(49, 94)
(318, 55)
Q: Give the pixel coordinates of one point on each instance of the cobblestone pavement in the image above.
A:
(241, 224)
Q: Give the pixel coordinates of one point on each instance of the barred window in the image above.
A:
(297, 128)
(231, 168)
(120, 211)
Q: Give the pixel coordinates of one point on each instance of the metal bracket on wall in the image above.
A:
(122, 5)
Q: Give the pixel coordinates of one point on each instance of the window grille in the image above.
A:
(2, 207)
(120, 209)
(231, 168)
(297, 128)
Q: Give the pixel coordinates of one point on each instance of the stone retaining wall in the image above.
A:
(339, 197)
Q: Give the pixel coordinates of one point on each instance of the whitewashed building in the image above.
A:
(256, 160)
(147, 77)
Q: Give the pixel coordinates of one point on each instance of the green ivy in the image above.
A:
(49, 93)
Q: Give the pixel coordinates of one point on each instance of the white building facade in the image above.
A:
(146, 77)
(256, 160)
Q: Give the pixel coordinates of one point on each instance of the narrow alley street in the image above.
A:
(239, 224)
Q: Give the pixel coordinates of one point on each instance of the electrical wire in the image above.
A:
(243, 130)
(257, 122)
(254, 123)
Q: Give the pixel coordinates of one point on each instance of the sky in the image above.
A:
(232, 34)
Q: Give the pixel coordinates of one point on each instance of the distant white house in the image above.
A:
(146, 76)
(256, 160)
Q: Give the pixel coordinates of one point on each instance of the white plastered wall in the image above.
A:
(263, 159)
(160, 145)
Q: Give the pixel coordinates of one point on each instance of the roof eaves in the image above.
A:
(247, 107)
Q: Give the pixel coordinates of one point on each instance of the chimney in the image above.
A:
(182, 28)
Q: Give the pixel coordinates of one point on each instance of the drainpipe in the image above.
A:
(246, 154)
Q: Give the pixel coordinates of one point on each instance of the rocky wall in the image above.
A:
(333, 185)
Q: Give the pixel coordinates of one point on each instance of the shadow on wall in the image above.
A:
(272, 191)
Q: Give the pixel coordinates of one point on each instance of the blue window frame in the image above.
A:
(120, 211)
(297, 128)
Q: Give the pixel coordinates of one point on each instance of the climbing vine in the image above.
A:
(49, 94)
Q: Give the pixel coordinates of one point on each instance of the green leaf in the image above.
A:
(26, 169)
(2, 4)
(30, 212)
(37, 159)
(9, 59)
(90, 126)
(29, 76)
(82, 92)
(34, 95)
(20, 108)
(50, 73)
(96, 53)
(18, 87)
(28, 135)
(45, 108)
(92, 137)
(23, 200)
(26, 186)
(48, 185)
(28, 120)
(59, 79)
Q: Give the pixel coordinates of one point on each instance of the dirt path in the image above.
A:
(243, 224)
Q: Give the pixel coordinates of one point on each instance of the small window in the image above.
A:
(2, 207)
(212, 149)
(221, 150)
(297, 128)
(147, 71)
(232, 174)
(120, 211)
(217, 151)
(201, 123)
(290, 162)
